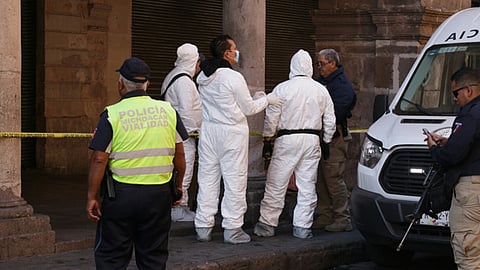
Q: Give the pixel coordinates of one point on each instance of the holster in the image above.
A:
(107, 187)
(176, 193)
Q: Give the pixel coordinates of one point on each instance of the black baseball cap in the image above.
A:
(135, 67)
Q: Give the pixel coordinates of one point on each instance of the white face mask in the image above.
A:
(237, 56)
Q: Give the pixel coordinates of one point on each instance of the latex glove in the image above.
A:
(258, 94)
(325, 150)
(274, 100)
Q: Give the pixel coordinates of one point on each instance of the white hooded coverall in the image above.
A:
(306, 105)
(184, 97)
(223, 146)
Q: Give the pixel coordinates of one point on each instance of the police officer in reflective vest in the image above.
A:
(140, 139)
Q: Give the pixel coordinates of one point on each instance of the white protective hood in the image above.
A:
(183, 93)
(307, 103)
(301, 65)
(187, 57)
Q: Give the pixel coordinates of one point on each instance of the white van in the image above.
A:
(395, 158)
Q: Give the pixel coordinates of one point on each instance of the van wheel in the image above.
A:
(388, 256)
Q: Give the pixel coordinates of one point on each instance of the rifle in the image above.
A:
(423, 203)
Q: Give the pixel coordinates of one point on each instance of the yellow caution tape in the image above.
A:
(89, 135)
(358, 130)
(44, 135)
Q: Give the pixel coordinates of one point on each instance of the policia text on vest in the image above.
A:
(143, 118)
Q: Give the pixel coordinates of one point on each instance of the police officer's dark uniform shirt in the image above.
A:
(463, 146)
(104, 133)
(342, 94)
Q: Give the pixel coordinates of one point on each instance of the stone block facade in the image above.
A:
(74, 83)
(84, 40)
(378, 41)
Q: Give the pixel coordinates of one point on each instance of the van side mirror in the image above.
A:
(380, 106)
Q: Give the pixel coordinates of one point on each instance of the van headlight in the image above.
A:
(371, 152)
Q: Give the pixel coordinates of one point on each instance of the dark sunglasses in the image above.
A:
(455, 92)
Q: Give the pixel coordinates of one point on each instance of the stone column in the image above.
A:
(10, 74)
(21, 233)
(244, 21)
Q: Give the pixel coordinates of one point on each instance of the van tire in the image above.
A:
(388, 256)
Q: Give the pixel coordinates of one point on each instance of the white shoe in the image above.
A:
(235, 236)
(302, 233)
(182, 213)
(264, 230)
(204, 234)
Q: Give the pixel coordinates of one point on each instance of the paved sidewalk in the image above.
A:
(283, 251)
(63, 199)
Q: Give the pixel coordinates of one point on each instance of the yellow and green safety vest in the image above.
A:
(143, 143)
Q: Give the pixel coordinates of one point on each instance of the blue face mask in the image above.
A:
(237, 56)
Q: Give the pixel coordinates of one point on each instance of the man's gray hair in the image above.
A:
(132, 86)
(330, 55)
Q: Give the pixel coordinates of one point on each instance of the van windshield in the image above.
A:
(428, 92)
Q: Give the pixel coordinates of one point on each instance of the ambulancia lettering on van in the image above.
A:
(462, 35)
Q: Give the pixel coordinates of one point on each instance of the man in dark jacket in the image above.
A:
(332, 204)
(462, 149)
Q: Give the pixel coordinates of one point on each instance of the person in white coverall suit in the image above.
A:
(182, 93)
(305, 117)
(223, 144)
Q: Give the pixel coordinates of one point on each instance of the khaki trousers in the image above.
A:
(464, 218)
(332, 202)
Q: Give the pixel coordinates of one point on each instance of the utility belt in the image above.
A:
(282, 132)
(324, 146)
(109, 185)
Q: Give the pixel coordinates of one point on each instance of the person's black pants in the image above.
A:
(139, 217)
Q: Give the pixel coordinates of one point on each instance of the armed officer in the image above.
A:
(141, 141)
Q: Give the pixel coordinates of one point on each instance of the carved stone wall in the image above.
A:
(378, 41)
(74, 85)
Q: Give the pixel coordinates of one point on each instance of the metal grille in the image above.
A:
(397, 177)
(159, 27)
(28, 91)
(289, 27)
